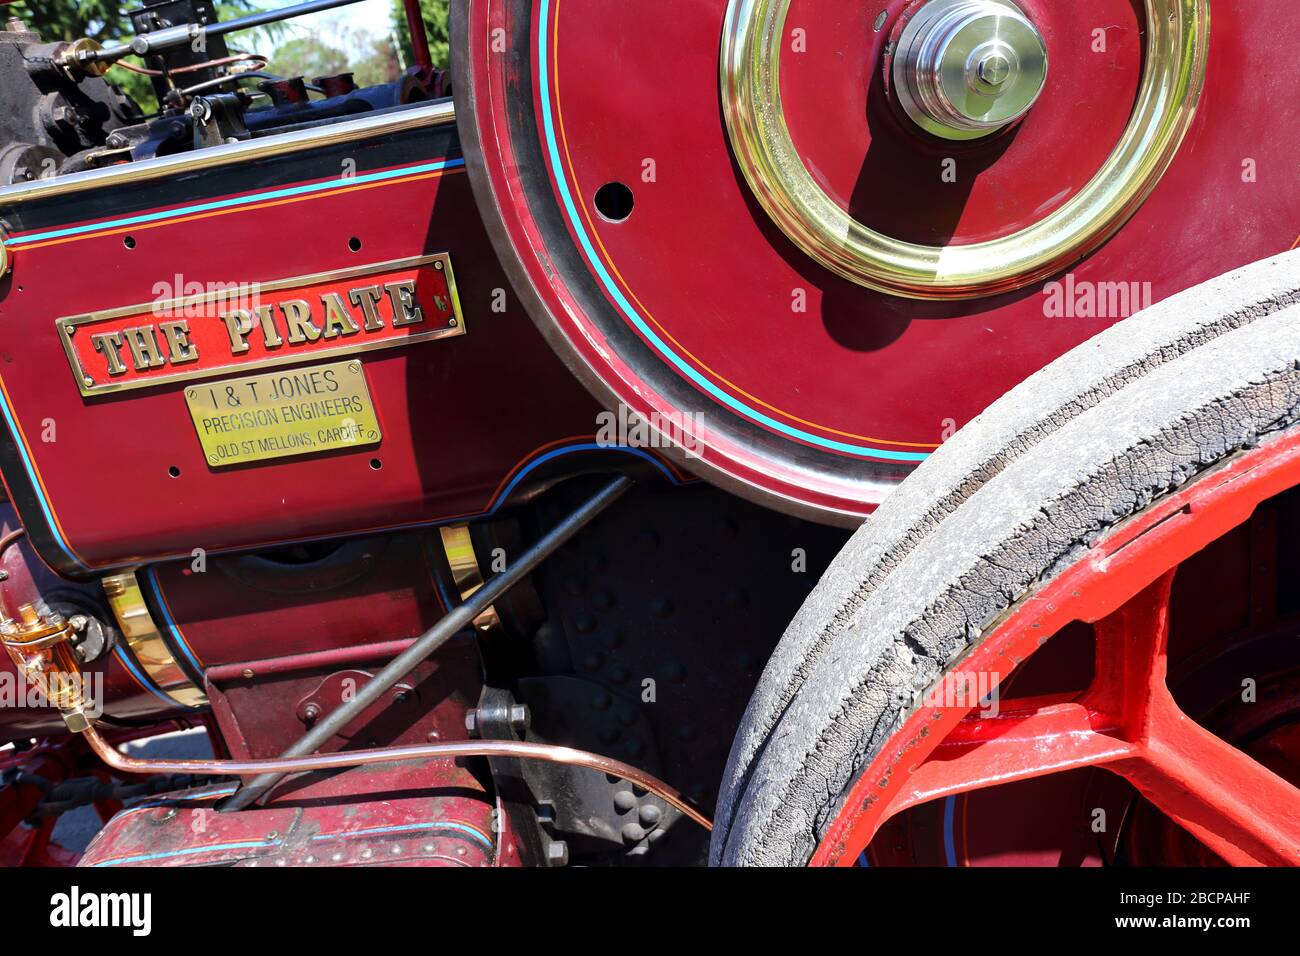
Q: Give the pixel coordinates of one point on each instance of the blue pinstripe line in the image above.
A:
(189, 851)
(568, 449)
(177, 639)
(949, 844)
(443, 825)
(184, 797)
(240, 201)
(634, 317)
(447, 601)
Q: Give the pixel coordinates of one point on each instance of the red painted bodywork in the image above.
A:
(428, 813)
(1001, 185)
(263, 706)
(459, 415)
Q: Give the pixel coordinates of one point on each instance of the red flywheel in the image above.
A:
(769, 228)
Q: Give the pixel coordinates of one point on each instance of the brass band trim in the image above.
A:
(146, 642)
(433, 114)
(1178, 34)
(466, 573)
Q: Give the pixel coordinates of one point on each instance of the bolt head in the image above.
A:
(557, 853)
(519, 716)
(994, 69)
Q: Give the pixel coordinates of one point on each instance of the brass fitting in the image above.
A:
(72, 61)
(39, 642)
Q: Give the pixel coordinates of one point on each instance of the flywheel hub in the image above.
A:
(967, 68)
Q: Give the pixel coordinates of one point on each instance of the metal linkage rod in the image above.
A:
(187, 33)
(423, 646)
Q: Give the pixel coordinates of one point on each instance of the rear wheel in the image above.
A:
(1074, 498)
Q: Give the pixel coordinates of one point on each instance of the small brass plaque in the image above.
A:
(300, 411)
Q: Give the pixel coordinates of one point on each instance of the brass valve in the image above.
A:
(39, 642)
(73, 58)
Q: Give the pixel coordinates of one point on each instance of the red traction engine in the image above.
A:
(757, 432)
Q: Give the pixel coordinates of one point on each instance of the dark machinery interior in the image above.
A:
(64, 114)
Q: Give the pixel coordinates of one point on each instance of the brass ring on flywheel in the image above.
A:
(1177, 46)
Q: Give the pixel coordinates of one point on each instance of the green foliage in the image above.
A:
(102, 20)
(291, 55)
(307, 56)
(435, 25)
(310, 56)
(105, 21)
(380, 66)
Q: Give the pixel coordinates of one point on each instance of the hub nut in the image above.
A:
(966, 68)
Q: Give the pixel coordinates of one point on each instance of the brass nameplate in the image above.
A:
(299, 411)
(225, 327)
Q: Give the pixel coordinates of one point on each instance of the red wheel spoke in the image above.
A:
(1130, 656)
(1049, 736)
(1127, 720)
(1234, 805)
(1039, 737)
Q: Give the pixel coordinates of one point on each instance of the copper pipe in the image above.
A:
(205, 65)
(9, 539)
(355, 758)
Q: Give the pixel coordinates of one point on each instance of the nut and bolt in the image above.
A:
(557, 853)
(519, 716)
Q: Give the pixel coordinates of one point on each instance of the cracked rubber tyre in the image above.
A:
(1008, 502)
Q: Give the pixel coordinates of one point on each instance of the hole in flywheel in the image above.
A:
(614, 201)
